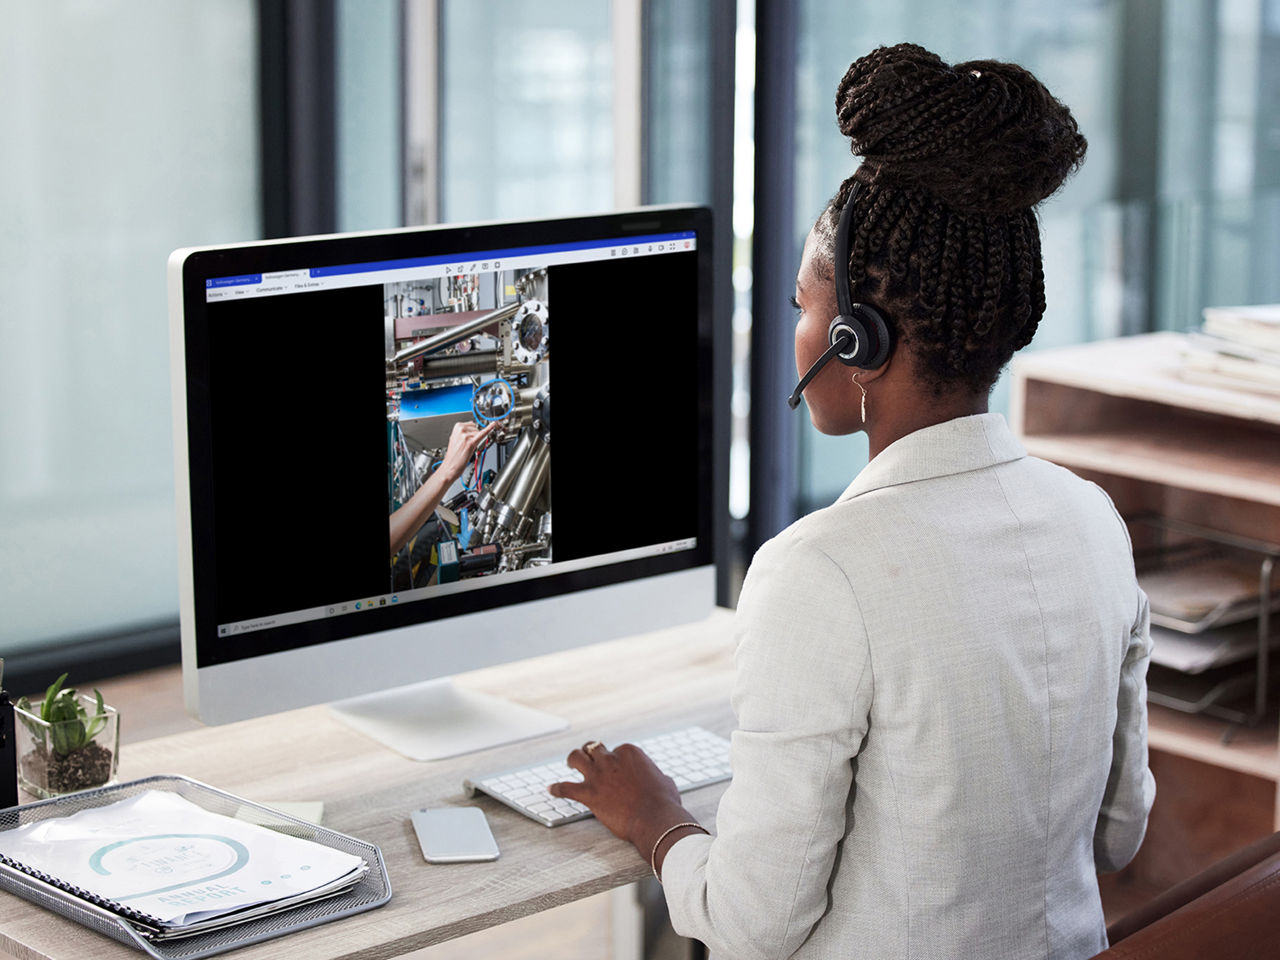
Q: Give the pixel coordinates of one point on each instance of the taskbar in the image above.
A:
(352, 607)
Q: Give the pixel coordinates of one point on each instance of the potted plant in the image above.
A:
(68, 742)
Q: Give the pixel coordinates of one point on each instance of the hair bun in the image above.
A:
(983, 136)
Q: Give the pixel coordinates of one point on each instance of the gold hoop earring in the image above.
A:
(864, 396)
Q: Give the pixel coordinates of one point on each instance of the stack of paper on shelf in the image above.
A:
(174, 869)
(1198, 652)
(1237, 347)
(1194, 587)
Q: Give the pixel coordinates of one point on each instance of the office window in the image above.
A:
(1217, 220)
(526, 128)
(367, 77)
(571, 106)
(680, 102)
(1177, 204)
(130, 128)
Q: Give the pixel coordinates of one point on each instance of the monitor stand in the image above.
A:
(435, 719)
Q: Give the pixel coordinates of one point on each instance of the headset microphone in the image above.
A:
(859, 336)
(840, 346)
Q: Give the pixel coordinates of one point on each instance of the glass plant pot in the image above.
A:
(70, 755)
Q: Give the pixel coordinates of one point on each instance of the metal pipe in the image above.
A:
(450, 337)
(529, 484)
(460, 365)
(512, 468)
(493, 502)
(533, 546)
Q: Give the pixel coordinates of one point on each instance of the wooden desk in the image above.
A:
(616, 690)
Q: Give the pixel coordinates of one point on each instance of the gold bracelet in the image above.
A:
(653, 857)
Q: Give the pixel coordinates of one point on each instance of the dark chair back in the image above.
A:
(1231, 911)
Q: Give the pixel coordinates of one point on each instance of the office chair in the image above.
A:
(1231, 911)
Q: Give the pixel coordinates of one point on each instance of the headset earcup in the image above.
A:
(876, 339)
(842, 326)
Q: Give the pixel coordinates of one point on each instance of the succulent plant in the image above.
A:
(71, 725)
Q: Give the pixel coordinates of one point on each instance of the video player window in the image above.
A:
(469, 347)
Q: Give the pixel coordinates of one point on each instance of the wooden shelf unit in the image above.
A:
(1250, 750)
(1118, 413)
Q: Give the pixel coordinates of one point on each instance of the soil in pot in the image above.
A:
(90, 766)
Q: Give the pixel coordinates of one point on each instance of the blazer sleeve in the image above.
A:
(802, 697)
(1131, 789)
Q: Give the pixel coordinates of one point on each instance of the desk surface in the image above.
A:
(622, 689)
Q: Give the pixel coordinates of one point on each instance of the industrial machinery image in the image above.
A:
(469, 346)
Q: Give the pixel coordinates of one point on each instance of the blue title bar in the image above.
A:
(491, 255)
(482, 260)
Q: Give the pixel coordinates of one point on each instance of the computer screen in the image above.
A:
(317, 385)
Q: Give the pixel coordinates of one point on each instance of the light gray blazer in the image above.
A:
(941, 704)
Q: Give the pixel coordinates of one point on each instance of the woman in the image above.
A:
(940, 687)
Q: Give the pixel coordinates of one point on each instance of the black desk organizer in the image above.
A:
(8, 753)
(373, 891)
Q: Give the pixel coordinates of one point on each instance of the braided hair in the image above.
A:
(946, 239)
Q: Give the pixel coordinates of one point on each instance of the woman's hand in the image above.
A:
(463, 443)
(409, 518)
(627, 793)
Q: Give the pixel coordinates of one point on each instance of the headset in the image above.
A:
(859, 335)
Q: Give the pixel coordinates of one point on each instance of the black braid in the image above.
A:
(1024, 271)
(902, 240)
(878, 205)
(930, 237)
(994, 276)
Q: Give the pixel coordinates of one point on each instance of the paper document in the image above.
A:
(1197, 588)
(177, 863)
(1198, 652)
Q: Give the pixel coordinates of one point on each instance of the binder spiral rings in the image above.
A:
(135, 917)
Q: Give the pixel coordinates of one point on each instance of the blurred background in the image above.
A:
(134, 127)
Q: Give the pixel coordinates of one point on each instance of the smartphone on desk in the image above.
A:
(454, 834)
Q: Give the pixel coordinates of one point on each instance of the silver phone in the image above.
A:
(454, 834)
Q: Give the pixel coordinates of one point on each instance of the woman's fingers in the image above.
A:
(569, 789)
(578, 760)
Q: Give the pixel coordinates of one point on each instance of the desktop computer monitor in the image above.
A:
(316, 384)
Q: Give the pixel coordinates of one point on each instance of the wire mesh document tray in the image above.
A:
(372, 891)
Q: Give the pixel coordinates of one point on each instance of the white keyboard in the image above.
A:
(692, 757)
